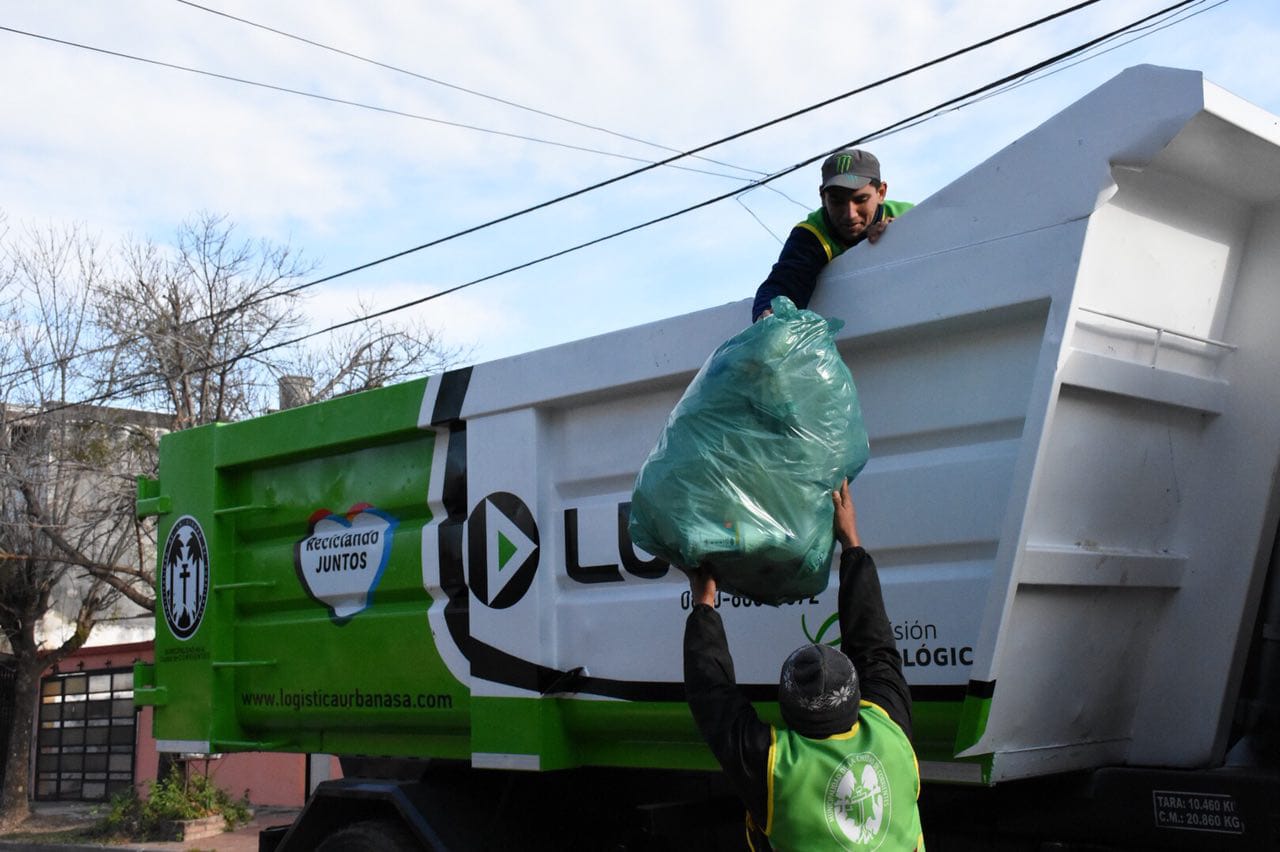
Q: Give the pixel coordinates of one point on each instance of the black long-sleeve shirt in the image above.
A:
(803, 256)
(738, 738)
(794, 274)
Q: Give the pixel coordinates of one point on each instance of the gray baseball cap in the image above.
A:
(851, 168)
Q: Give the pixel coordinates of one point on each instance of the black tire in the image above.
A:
(373, 835)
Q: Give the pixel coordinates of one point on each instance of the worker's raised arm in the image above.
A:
(737, 737)
(794, 275)
(866, 636)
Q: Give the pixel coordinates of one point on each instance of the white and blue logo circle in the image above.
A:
(858, 803)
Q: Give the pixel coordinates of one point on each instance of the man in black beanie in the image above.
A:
(842, 773)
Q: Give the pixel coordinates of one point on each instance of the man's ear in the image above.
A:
(884, 188)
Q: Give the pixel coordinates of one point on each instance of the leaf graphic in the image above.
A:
(822, 630)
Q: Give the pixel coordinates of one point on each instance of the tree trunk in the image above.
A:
(15, 799)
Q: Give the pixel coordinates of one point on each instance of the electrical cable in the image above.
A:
(1185, 14)
(1140, 33)
(752, 214)
(627, 175)
(372, 107)
(734, 136)
(1092, 53)
(883, 132)
(151, 386)
(454, 86)
(479, 94)
(653, 165)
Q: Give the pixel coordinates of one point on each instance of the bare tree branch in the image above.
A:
(195, 322)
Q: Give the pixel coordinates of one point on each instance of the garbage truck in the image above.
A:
(1068, 361)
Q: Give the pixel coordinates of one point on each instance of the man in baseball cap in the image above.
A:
(854, 208)
(841, 772)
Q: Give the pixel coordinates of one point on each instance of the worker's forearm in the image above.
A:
(864, 624)
(727, 721)
(866, 636)
(795, 273)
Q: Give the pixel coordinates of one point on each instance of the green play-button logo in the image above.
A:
(502, 549)
(505, 551)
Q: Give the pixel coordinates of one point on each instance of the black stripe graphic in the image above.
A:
(493, 664)
(453, 389)
(981, 688)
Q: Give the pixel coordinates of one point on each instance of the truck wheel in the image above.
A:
(374, 835)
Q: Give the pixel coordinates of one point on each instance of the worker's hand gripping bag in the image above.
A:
(740, 480)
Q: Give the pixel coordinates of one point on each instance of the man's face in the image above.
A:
(851, 210)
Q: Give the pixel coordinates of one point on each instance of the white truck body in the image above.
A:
(1069, 368)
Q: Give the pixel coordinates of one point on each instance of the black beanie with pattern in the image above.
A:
(818, 692)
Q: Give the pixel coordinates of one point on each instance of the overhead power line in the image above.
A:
(1136, 34)
(437, 81)
(888, 130)
(152, 385)
(693, 151)
(358, 104)
(479, 94)
(625, 176)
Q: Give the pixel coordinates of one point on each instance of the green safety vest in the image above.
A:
(817, 223)
(855, 790)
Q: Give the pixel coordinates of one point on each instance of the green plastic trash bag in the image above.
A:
(740, 480)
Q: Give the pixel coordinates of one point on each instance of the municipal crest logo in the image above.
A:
(858, 803)
(184, 577)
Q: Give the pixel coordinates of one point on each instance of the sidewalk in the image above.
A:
(46, 831)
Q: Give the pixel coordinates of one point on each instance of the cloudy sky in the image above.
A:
(453, 129)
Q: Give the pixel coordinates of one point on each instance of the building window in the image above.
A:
(86, 737)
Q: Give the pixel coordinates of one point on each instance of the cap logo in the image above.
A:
(844, 163)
